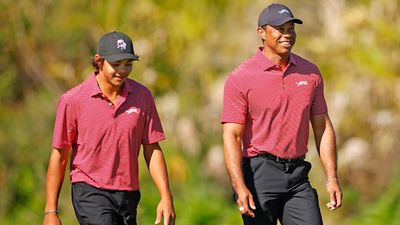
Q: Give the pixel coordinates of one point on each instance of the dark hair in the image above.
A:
(97, 63)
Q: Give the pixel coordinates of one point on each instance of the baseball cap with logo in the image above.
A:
(116, 46)
(276, 15)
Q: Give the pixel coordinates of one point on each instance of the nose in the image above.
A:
(287, 31)
(124, 69)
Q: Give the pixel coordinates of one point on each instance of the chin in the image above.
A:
(284, 53)
(118, 84)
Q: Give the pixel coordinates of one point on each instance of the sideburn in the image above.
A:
(99, 64)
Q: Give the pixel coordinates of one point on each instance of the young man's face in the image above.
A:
(116, 72)
(279, 39)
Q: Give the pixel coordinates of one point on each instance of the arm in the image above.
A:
(155, 162)
(54, 180)
(324, 135)
(232, 135)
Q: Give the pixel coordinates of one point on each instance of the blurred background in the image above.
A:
(186, 50)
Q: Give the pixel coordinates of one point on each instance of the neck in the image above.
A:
(106, 88)
(281, 60)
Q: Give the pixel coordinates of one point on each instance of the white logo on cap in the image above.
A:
(121, 44)
(283, 11)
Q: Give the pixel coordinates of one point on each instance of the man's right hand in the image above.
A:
(51, 219)
(245, 202)
(232, 135)
(55, 177)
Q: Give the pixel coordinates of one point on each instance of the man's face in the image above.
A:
(278, 39)
(116, 72)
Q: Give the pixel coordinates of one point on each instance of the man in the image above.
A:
(105, 120)
(268, 102)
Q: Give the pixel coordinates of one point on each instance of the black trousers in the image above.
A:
(95, 206)
(281, 192)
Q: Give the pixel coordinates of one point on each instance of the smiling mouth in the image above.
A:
(285, 43)
(120, 77)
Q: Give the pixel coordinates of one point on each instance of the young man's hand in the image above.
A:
(165, 209)
(51, 219)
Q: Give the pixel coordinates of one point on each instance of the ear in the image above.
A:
(261, 33)
(99, 60)
(97, 57)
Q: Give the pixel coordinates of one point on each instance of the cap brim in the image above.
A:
(284, 20)
(113, 58)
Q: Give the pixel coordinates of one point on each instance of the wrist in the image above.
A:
(330, 180)
(167, 197)
(54, 211)
(241, 189)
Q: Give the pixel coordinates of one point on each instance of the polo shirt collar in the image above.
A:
(266, 64)
(128, 86)
(94, 89)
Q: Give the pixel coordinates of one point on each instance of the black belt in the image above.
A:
(279, 159)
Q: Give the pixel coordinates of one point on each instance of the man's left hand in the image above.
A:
(165, 209)
(335, 194)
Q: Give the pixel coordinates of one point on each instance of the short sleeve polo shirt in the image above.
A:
(105, 138)
(274, 105)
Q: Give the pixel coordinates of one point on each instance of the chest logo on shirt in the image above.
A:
(302, 83)
(132, 110)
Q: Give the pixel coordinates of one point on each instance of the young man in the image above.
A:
(268, 103)
(105, 120)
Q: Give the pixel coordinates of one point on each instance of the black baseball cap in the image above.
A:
(116, 46)
(276, 15)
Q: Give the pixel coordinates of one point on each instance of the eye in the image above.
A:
(280, 29)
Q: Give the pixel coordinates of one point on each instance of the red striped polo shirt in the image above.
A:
(274, 105)
(106, 139)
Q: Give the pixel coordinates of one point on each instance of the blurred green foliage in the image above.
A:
(186, 50)
(384, 211)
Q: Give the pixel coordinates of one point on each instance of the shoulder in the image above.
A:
(305, 65)
(74, 94)
(244, 68)
(137, 88)
(306, 68)
(241, 72)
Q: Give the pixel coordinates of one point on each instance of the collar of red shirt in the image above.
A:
(94, 89)
(266, 64)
